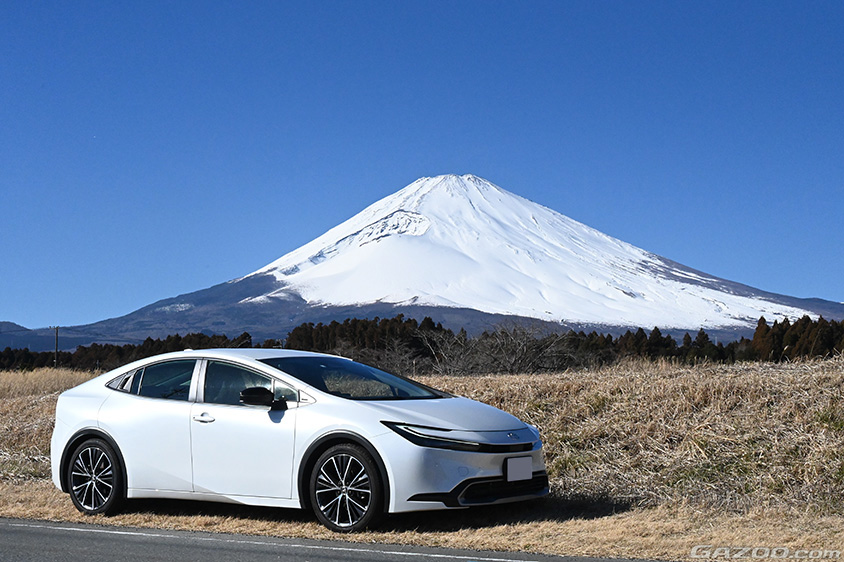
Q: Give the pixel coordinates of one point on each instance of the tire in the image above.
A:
(345, 489)
(95, 478)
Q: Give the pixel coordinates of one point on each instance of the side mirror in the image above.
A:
(260, 396)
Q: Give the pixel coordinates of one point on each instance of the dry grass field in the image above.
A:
(647, 460)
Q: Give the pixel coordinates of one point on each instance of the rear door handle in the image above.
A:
(204, 418)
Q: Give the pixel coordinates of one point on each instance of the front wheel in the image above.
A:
(95, 478)
(345, 489)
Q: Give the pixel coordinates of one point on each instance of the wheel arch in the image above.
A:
(323, 444)
(80, 437)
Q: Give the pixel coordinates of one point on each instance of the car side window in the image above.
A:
(285, 393)
(169, 380)
(224, 382)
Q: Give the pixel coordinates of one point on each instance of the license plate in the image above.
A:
(518, 468)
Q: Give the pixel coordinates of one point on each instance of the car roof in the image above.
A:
(247, 353)
(233, 354)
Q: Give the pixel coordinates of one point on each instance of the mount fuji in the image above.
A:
(469, 254)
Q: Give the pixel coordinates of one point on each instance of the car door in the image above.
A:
(241, 450)
(149, 420)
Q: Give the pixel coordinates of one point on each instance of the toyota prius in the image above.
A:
(293, 429)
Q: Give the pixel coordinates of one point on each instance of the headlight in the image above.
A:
(427, 437)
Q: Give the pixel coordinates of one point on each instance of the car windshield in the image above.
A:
(347, 379)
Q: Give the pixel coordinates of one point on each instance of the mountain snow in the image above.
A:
(461, 241)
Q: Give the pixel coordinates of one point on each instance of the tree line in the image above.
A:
(408, 347)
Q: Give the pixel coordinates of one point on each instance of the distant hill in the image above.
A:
(16, 336)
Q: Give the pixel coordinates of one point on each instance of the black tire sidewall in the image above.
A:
(113, 503)
(376, 507)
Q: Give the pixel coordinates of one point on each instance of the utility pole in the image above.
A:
(56, 356)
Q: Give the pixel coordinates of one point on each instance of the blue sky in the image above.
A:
(149, 149)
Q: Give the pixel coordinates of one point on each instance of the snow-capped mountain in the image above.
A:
(469, 254)
(461, 241)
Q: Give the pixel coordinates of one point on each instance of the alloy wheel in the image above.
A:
(94, 479)
(345, 489)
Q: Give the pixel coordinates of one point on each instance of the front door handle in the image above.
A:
(204, 418)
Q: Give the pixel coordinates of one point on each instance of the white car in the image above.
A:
(290, 429)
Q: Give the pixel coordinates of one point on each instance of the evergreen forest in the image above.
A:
(408, 347)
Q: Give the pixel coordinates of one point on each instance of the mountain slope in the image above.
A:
(469, 254)
(461, 241)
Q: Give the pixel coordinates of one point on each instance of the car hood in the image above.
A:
(454, 413)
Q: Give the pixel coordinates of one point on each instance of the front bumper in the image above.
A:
(424, 478)
(489, 491)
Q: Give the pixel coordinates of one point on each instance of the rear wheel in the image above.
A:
(95, 478)
(345, 489)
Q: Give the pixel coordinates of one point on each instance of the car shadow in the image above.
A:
(545, 509)
(549, 508)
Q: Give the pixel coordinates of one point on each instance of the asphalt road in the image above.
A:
(25, 540)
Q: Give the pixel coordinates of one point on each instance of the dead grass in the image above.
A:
(39, 381)
(647, 460)
(726, 437)
(547, 526)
